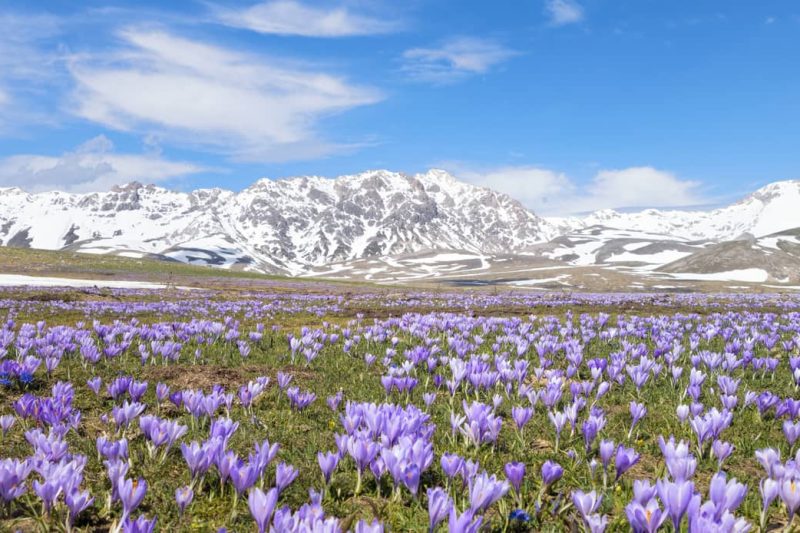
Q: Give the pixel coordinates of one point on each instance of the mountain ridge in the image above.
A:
(303, 225)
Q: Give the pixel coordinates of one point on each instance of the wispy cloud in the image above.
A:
(247, 106)
(288, 17)
(93, 166)
(455, 59)
(30, 68)
(553, 193)
(563, 12)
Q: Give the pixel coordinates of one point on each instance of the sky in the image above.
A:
(567, 105)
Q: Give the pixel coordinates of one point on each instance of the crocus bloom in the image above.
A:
(606, 451)
(596, 523)
(769, 489)
(790, 494)
(284, 475)
(638, 411)
(515, 472)
(131, 493)
(6, 422)
(721, 450)
(586, 502)
(327, 463)
(484, 490)
(439, 505)
(551, 472)
(625, 459)
(464, 523)
(726, 495)
(791, 431)
(77, 501)
(183, 497)
(645, 518)
(451, 464)
(261, 506)
(676, 496)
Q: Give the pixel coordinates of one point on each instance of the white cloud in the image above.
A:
(641, 187)
(455, 59)
(247, 106)
(30, 68)
(551, 193)
(563, 12)
(287, 17)
(93, 166)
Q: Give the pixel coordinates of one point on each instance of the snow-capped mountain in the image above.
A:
(284, 226)
(392, 227)
(770, 209)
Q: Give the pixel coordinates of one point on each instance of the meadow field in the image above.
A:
(311, 407)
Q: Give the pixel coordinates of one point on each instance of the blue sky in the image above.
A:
(568, 105)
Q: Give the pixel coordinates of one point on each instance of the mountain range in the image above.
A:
(392, 227)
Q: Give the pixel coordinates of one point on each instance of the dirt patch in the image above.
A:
(231, 377)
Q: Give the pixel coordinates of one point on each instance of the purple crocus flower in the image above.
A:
(596, 523)
(790, 493)
(131, 493)
(13, 473)
(410, 477)
(514, 473)
(791, 430)
(94, 384)
(77, 501)
(334, 401)
(451, 464)
(464, 523)
(624, 460)
(142, 524)
(327, 463)
(726, 495)
(589, 429)
(428, 398)
(643, 491)
(769, 458)
(551, 472)
(6, 422)
(606, 450)
(675, 495)
(521, 416)
(638, 411)
(162, 392)
(769, 489)
(680, 463)
(586, 502)
(183, 497)
(196, 457)
(484, 490)
(721, 450)
(645, 518)
(261, 506)
(439, 505)
(243, 476)
(284, 475)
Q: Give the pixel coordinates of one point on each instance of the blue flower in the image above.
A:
(26, 378)
(519, 514)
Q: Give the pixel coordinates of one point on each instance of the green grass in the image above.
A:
(302, 435)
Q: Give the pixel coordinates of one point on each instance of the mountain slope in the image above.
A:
(280, 226)
(768, 210)
(382, 225)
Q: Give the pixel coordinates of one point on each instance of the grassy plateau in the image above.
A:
(133, 410)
